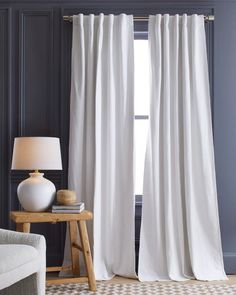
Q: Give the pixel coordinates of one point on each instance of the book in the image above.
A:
(68, 207)
(76, 211)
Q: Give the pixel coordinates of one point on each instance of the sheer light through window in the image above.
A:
(141, 108)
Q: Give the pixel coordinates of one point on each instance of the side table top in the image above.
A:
(31, 217)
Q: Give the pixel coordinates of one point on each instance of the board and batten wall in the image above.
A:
(35, 47)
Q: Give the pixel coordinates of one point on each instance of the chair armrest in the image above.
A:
(12, 237)
(34, 284)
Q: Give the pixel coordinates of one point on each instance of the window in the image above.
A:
(141, 109)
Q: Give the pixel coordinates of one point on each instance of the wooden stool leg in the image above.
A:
(23, 227)
(73, 232)
(87, 254)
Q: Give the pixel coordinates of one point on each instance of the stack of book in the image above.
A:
(73, 208)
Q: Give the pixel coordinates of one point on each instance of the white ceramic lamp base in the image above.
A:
(36, 193)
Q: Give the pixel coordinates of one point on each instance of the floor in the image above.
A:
(120, 280)
(121, 286)
(124, 286)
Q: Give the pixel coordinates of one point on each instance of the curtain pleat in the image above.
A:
(180, 234)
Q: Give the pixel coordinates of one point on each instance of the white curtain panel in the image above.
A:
(101, 136)
(180, 234)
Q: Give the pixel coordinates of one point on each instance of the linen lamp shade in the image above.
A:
(31, 153)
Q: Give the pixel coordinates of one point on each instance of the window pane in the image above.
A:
(141, 77)
(141, 103)
(140, 133)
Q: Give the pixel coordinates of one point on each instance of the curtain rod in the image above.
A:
(207, 18)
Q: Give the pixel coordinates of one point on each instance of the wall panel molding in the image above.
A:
(36, 107)
(5, 35)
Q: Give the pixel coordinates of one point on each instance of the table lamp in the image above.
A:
(36, 193)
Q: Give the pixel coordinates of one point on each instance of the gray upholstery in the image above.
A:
(22, 263)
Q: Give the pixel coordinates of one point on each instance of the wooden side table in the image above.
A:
(23, 221)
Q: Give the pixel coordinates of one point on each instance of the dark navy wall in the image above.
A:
(225, 125)
(35, 48)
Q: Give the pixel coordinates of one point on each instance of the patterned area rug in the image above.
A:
(142, 289)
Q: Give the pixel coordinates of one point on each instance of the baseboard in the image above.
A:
(230, 262)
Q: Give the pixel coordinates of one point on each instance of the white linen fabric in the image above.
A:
(22, 263)
(180, 234)
(101, 136)
(10, 258)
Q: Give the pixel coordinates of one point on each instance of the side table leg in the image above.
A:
(87, 254)
(23, 227)
(73, 230)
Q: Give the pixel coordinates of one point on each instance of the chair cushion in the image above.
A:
(14, 255)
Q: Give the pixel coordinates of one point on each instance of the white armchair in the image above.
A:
(22, 263)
